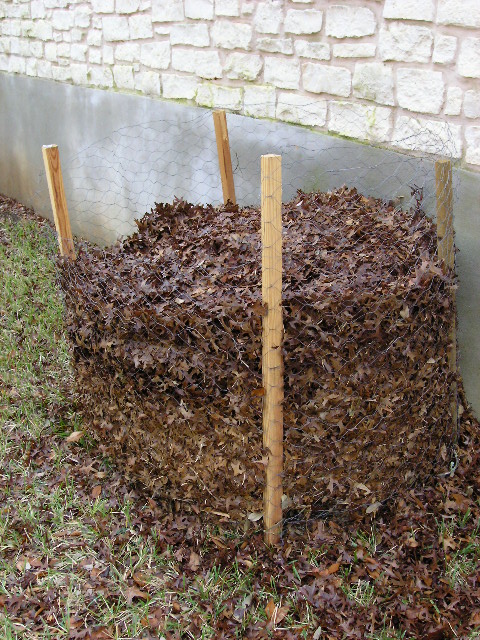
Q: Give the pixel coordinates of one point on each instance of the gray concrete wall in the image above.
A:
(121, 153)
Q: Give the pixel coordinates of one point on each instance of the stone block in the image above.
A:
(212, 95)
(94, 37)
(428, 136)
(103, 6)
(282, 73)
(41, 30)
(14, 10)
(420, 90)
(275, 45)
(155, 55)
(50, 51)
(205, 64)
(140, 26)
(20, 47)
(83, 17)
(248, 7)
(25, 28)
(259, 101)
(75, 34)
(16, 64)
(231, 35)
(269, 17)
(95, 55)
(115, 28)
(469, 58)
(78, 52)
(292, 107)
(127, 6)
(444, 49)
(148, 82)
(471, 104)
(79, 73)
(361, 122)
(123, 76)
(37, 10)
(373, 81)
(409, 9)
(193, 34)
(63, 50)
(227, 8)
(177, 87)
(354, 50)
(243, 66)
(62, 74)
(199, 9)
(44, 69)
(30, 68)
(319, 78)
(472, 138)
(453, 101)
(313, 50)
(343, 21)
(405, 43)
(303, 21)
(465, 13)
(107, 54)
(100, 77)
(127, 52)
(36, 49)
(167, 10)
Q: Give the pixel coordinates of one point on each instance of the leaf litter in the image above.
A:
(166, 328)
(97, 550)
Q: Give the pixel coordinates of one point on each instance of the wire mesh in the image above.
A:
(166, 325)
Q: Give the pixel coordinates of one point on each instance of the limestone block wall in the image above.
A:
(400, 73)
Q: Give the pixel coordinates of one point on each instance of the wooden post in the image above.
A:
(51, 158)
(446, 254)
(272, 341)
(224, 157)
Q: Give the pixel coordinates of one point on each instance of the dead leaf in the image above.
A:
(194, 561)
(275, 614)
(373, 508)
(135, 592)
(75, 436)
(255, 516)
(96, 491)
(333, 568)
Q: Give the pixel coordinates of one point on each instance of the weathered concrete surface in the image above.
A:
(122, 153)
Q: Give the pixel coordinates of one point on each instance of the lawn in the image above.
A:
(84, 555)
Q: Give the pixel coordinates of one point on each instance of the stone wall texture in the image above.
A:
(399, 73)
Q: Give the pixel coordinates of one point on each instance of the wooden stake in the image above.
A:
(446, 254)
(445, 233)
(224, 157)
(51, 158)
(272, 339)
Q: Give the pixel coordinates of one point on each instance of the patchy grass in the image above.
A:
(83, 555)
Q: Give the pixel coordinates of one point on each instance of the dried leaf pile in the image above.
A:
(166, 335)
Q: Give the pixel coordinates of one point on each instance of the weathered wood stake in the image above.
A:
(224, 157)
(446, 254)
(272, 341)
(51, 158)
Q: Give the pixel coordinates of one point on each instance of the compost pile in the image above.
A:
(165, 328)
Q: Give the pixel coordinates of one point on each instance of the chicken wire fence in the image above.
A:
(323, 400)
